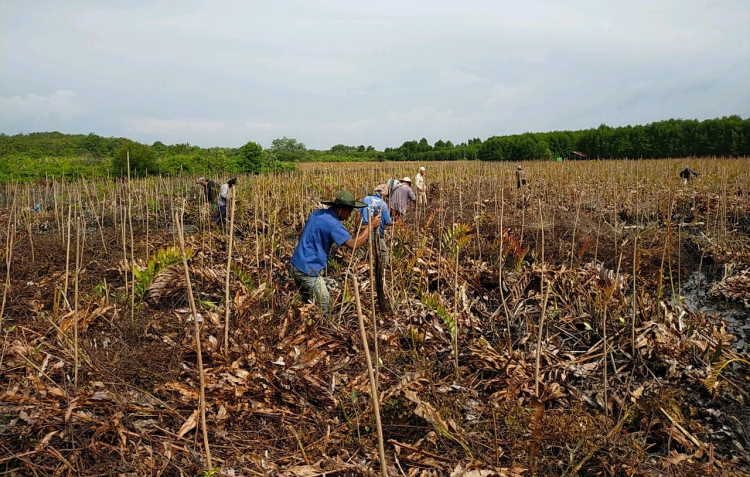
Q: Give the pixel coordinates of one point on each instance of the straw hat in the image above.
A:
(406, 179)
(422, 169)
(381, 189)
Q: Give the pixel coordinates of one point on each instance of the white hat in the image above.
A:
(406, 179)
(422, 169)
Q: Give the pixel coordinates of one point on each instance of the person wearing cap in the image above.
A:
(225, 194)
(401, 197)
(421, 187)
(324, 227)
(377, 206)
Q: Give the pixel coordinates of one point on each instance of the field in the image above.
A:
(592, 323)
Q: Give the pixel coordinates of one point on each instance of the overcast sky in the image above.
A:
(220, 73)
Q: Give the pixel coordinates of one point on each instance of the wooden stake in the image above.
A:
(373, 384)
(194, 312)
(227, 302)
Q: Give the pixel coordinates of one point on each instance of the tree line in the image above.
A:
(53, 154)
(726, 136)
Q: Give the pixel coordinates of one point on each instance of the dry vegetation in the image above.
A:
(536, 332)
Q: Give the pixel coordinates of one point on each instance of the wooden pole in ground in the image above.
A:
(10, 239)
(373, 384)
(194, 312)
(227, 302)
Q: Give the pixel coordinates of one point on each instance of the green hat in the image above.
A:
(344, 198)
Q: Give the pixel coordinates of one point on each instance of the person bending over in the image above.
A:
(324, 227)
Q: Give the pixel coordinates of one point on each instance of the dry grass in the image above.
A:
(621, 379)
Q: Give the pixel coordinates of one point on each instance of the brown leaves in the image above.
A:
(734, 287)
(189, 424)
(84, 317)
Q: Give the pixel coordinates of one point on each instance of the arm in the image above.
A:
(362, 237)
(411, 194)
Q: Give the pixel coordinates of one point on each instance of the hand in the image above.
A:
(375, 222)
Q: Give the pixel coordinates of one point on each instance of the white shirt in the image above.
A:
(223, 194)
(419, 181)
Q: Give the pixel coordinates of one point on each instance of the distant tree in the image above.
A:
(370, 148)
(424, 145)
(361, 148)
(288, 149)
(142, 160)
(251, 158)
(287, 144)
(341, 149)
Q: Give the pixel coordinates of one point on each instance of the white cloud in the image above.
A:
(377, 73)
(173, 126)
(253, 125)
(60, 105)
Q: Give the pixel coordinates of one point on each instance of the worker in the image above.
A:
(401, 197)
(210, 189)
(687, 175)
(225, 194)
(324, 227)
(376, 206)
(520, 177)
(419, 182)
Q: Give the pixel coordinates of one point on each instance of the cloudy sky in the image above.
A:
(221, 73)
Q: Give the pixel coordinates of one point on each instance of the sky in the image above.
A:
(222, 73)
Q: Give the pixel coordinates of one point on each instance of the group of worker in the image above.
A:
(388, 204)
(325, 227)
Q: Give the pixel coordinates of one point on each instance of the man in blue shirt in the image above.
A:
(323, 228)
(377, 206)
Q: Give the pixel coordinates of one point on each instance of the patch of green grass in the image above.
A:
(160, 260)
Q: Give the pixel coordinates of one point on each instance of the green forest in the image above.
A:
(35, 156)
(727, 136)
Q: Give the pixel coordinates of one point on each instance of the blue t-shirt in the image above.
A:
(375, 202)
(323, 229)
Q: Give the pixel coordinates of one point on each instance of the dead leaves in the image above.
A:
(189, 424)
(85, 317)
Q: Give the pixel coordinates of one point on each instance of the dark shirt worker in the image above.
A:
(324, 227)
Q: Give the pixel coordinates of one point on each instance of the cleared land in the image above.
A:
(560, 328)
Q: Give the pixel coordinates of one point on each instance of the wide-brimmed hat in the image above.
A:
(422, 169)
(381, 189)
(406, 179)
(201, 180)
(344, 198)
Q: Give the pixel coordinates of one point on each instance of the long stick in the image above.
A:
(544, 309)
(201, 372)
(132, 245)
(370, 238)
(227, 303)
(373, 383)
(67, 256)
(10, 238)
